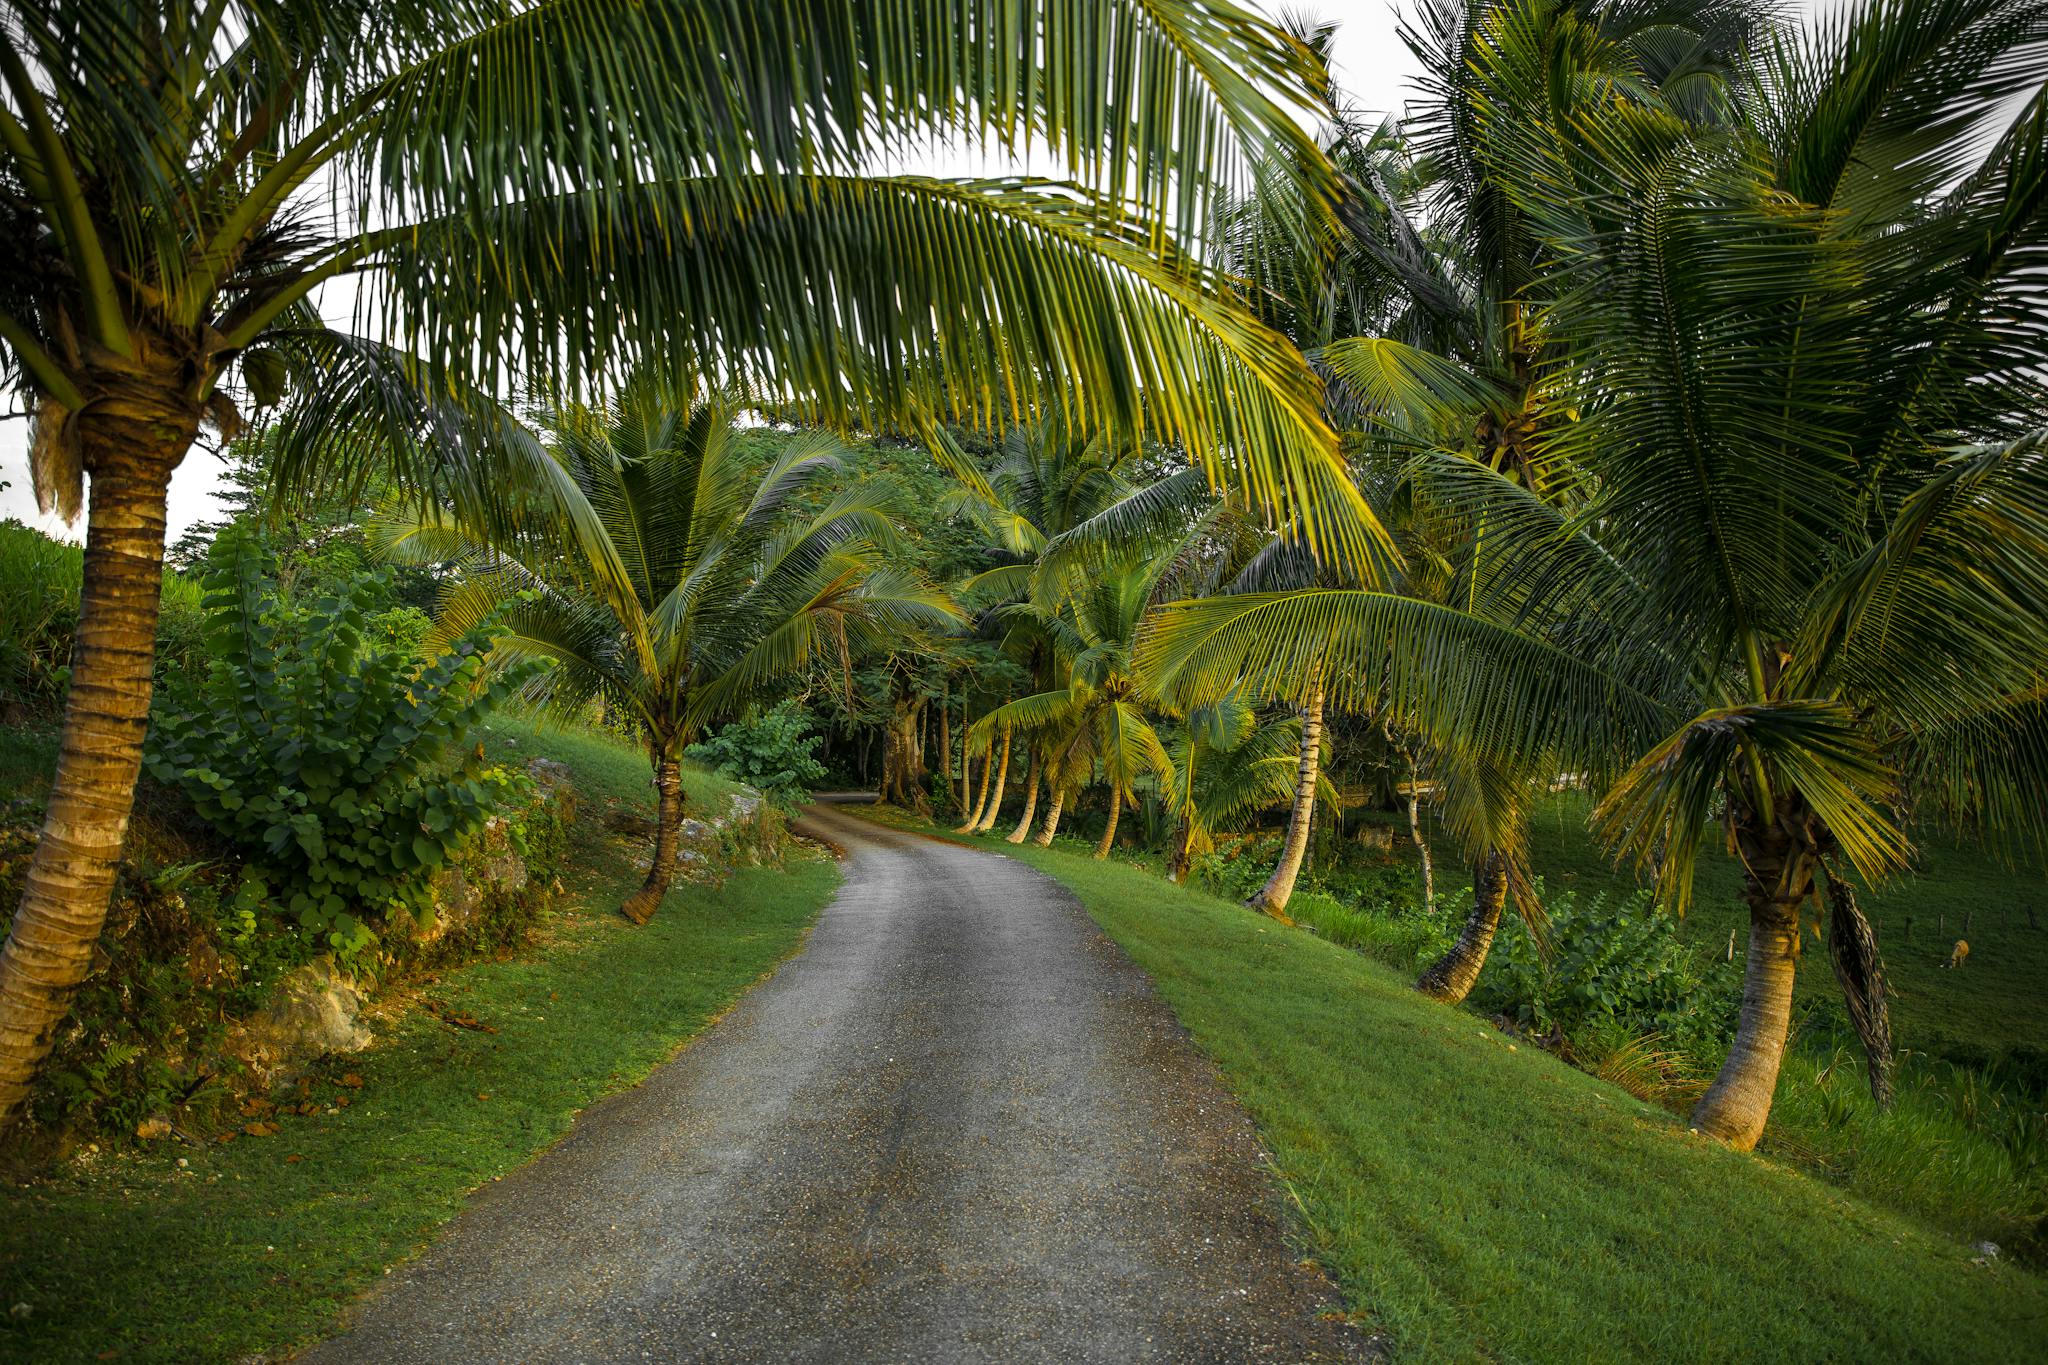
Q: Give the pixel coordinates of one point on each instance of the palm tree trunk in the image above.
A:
(1451, 977)
(995, 802)
(1116, 807)
(1777, 879)
(1421, 844)
(967, 766)
(1177, 858)
(668, 822)
(946, 751)
(1052, 816)
(1016, 836)
(130, 444)
(1272, 898)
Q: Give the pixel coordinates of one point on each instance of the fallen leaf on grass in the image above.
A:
(150, 1129)
(352, 1081)
(294, 1159)
(260, 1129)
(454, 1017)
(483, 1094)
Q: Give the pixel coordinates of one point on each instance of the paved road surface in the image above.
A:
(957, 1127)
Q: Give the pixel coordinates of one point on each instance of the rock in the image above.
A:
(315, 1010)
(1988, 1250)
(555, 785)
(629, 822)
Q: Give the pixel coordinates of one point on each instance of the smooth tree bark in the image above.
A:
(668, 823)
(1272, 898)
(1052, 816)
(995, 801)
(1451, 977)
(1116, 808)
(1778, 861)
(1017, 835)
(140, 425)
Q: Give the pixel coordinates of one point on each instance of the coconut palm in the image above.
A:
(692, 580)
(1228, 765)
(1100, 713)
(1808, 369)
(573, 184)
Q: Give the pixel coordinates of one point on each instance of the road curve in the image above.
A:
(958, 1126)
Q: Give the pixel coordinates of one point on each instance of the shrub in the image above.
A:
(1611, 964)
(1236, 867)
(771, 752)
(333, 760)
(39, 585)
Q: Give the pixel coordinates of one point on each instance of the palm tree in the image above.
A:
(690, 583)
(1808, 370)
(1227, 766)
(1100, 713)
(1417, 312)
(581, 183)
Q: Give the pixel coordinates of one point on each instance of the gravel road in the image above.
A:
(959, 1126)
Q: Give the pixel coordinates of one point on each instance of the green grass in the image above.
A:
(1476, 1200)
(243, 1250)
(606, 769)
(1991, 1006)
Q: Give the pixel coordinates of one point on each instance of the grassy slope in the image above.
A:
(1993, 1003)
(1479, 1201)
(244, 1250)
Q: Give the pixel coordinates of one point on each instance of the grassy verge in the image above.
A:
(1482, 1201)
(186, 1253)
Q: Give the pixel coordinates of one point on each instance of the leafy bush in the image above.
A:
(334, 760)
(1618, 964)
(1236, 867)
(39, 586)
(771, 752)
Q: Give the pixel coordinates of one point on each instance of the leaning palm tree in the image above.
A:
(689, 581)
(1809, 354)
(581, 183)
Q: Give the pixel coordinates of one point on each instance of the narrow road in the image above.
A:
(958, 1126)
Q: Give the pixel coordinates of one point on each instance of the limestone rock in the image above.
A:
(315, 1010)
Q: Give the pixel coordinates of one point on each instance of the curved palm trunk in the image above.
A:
(1272, 898)
(995, 802)
(1778, 871)
(668, 822)
(1016, 836)
(131, 443)
(1052, 817)
(1451, 977)
(1116, 807)
(980, 801)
